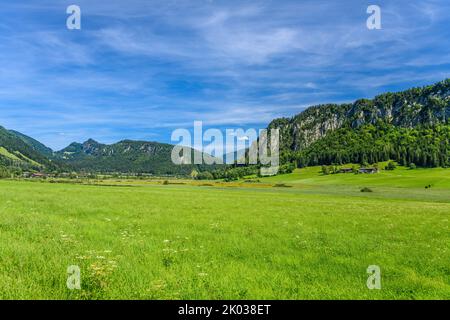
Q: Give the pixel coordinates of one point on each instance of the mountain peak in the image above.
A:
(90, 141)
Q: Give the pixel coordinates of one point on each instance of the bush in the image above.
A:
(205, 176)
(412, 166)
(390, 166)
(4, 173)
(229, 179)
(286, 168)
(194, 174)
(282, 185)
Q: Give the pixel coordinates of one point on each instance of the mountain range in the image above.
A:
(126, 156)
(19, 152)
(410, 126)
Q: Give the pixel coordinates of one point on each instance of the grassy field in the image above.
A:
(311, 237)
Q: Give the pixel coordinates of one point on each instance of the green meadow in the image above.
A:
(298, 236)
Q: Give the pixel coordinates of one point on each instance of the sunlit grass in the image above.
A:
(189, 242)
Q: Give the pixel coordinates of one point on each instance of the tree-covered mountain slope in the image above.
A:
(407, 126)
(34, 144)
(15, 153)
(19, 153)
(426, 146)
(126, 156)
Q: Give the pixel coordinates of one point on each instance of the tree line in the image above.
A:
(425, 146)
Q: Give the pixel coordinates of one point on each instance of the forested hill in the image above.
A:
(15, 153)
(126, 156)
(411, 126)
(34, 144)
(20, 153)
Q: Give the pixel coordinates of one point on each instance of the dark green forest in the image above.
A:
(422, 146)
(410, 127)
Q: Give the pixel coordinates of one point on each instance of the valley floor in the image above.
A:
(297, 236)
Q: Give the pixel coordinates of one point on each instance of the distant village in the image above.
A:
(82, 175)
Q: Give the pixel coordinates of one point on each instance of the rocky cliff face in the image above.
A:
(429, 105)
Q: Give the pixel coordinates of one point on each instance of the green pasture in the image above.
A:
(298, 236)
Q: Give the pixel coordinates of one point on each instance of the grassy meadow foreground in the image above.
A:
(297, 236)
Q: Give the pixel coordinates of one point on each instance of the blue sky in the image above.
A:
(140, 69)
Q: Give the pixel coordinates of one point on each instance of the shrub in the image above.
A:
(231, 178)
(390, 166)
(286, 168)
(194, 174)
(282, 185)
(205, 176)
